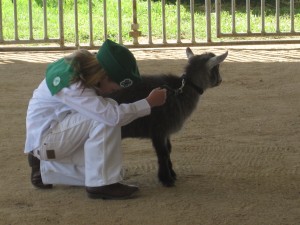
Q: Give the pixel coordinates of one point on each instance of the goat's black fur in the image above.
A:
(169, 118)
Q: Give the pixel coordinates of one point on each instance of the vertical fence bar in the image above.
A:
(163, 15)
(277, 16)
(248, 11)
(192, 11)
(178, 22)
(149, 23)
(30, 20)
(76, 23)
(262, 13)
(233, 26)
(105, 20)
(16, 20)
(208, 20)
(61, 23)
(120, 21)
(45, 19)
(292, 15)
(91, 23)
(218, 17)
(134, 25)
(135, 33)
(1, 26)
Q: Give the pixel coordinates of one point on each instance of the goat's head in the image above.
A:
(203, 69)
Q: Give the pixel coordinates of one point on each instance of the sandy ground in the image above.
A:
(237, 157)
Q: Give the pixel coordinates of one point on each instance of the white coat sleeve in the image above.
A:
(105, 110)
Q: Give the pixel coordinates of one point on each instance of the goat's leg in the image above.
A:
(169, 146)
(162, 151)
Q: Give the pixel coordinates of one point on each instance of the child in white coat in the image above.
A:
(74, 132)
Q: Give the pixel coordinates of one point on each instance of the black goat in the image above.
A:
(201, 72)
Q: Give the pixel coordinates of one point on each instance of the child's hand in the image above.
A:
(157, 97)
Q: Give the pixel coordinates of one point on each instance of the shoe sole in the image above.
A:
(43, 186)
(109, 197)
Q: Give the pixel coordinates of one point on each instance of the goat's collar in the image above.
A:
(187, 81)
(184, 81)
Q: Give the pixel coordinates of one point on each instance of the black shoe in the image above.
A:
(112, 191)
(36, 178)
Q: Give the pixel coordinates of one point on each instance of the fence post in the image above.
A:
(248, 10)
(163, 16)
(263, 8)
(208, 19)
(178, 22)
(135, 33)
(233, 16)
(105, 20)
(91, 23)
(61, 23)
(277, 16)
(76, 23)
(1, 34)
(30, 20)
(45, 20)
(149, 23)
(192, 10)
(292, 15)
(16, 20)
(218, 17)
(120, 21)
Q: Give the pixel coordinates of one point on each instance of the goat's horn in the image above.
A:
(212, 62)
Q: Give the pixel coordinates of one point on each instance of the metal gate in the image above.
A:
(24, 26)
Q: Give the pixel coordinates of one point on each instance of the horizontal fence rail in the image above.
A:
(61, 25)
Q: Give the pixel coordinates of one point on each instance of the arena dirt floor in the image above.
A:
(237, 157)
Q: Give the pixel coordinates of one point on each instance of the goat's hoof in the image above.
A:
(167, 178)
(168, 183)
(173, 174)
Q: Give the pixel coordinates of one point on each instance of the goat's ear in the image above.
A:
(189, 53)
(216, 60)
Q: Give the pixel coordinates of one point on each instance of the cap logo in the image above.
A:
(56, 81)
(126, 83)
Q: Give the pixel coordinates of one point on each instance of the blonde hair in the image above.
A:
(87, 69)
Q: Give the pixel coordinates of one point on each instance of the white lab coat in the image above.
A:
(77, 135)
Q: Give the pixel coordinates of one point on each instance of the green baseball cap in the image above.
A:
(119, 63)
(59, 75)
